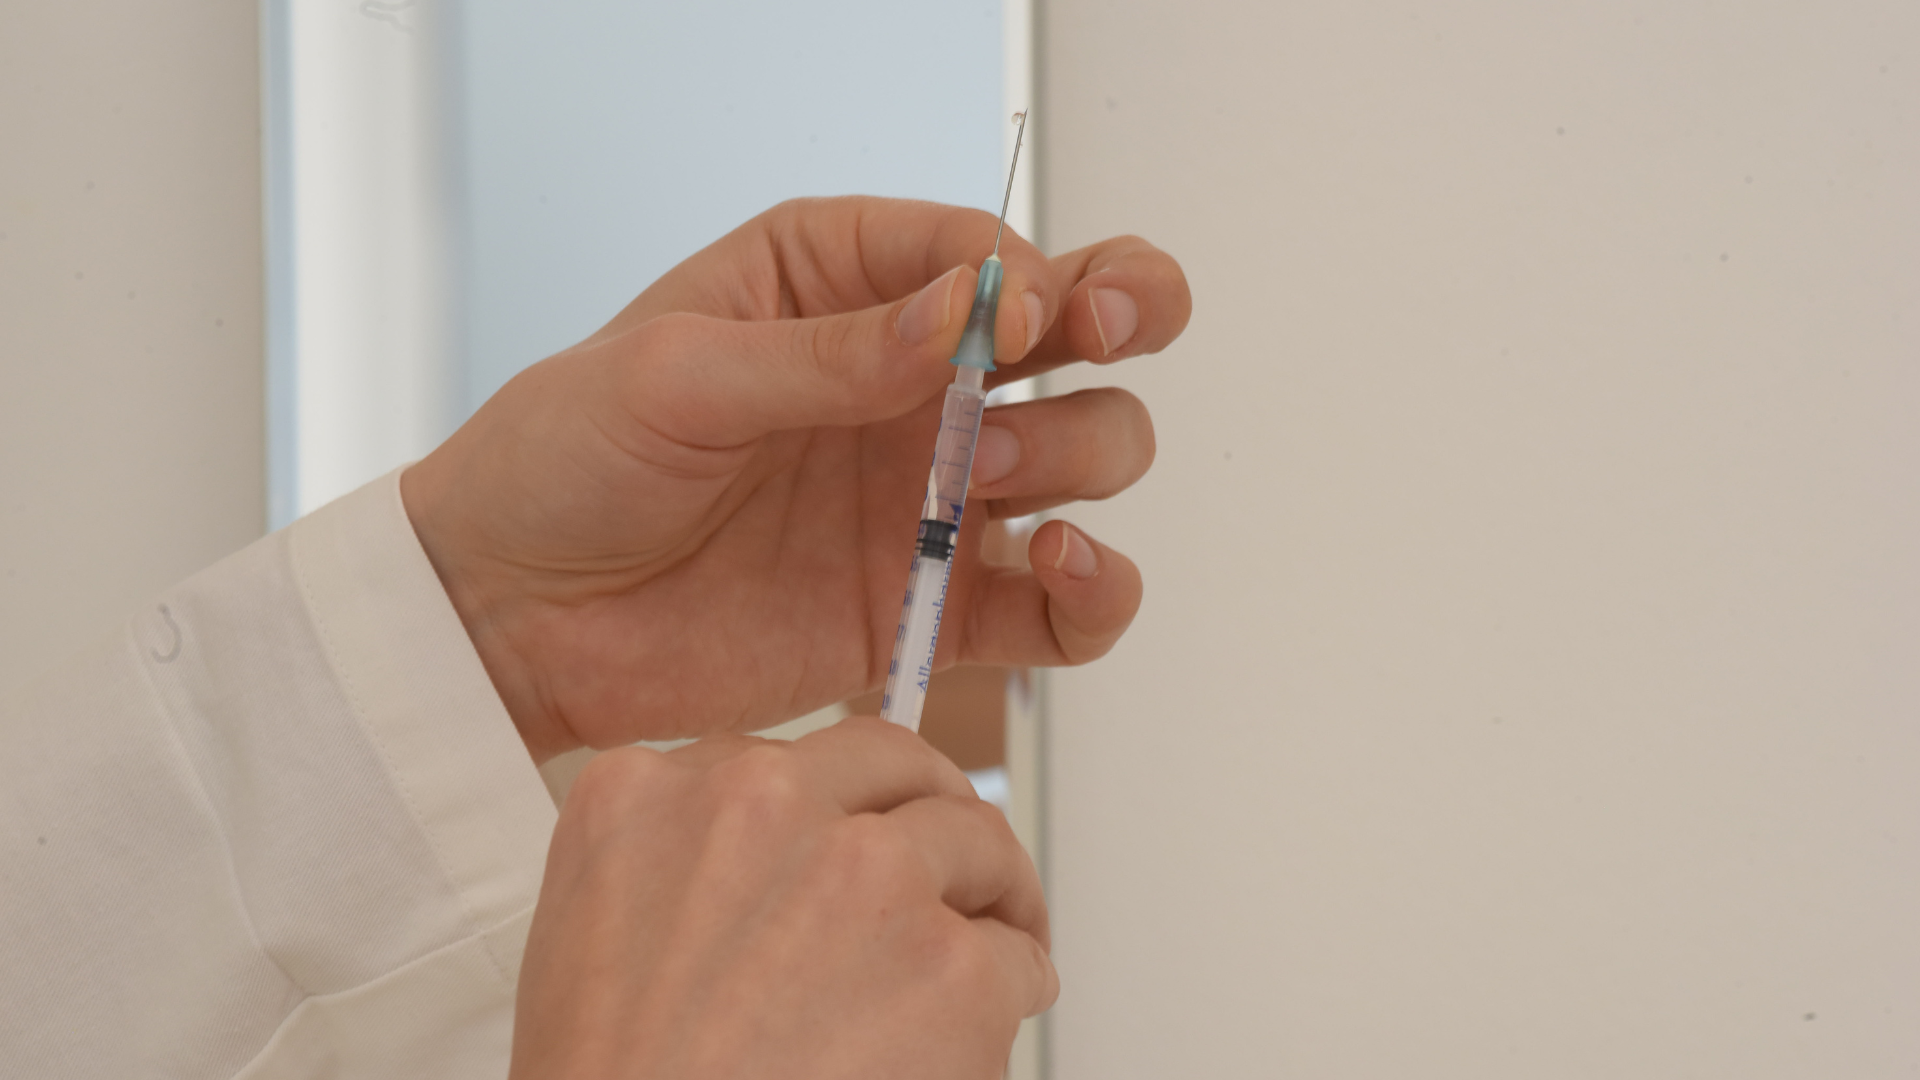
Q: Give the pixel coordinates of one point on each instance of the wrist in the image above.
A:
(486, 611)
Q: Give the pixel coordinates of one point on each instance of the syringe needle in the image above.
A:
(1021, 119)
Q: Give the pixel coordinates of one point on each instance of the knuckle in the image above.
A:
(829, 347)
(619, 770)
(989, 817)
(611, 786)
(761, 784)
(664, 350)
(668, 338)
(910, 758)
(972, 219)
(961, 961)
(874, 728)
(869, 727)
(905, 741)
(796, 207)
(868, 855)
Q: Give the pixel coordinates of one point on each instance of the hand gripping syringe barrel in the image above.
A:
(919, 632)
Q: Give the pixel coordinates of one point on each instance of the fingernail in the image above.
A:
(1036, 311)
(1115, 318)
(927, 313)
(1076, 558)
(995, 453)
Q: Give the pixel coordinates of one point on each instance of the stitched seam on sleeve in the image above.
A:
(212, 810)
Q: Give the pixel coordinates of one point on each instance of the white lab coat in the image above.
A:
(279, 826)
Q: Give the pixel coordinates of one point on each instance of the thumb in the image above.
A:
(720, 382)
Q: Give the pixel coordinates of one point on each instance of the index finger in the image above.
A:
(811, 257)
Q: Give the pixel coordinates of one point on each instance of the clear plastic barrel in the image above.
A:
(953, 452)
(913, 644)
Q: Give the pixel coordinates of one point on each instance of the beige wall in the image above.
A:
(1529, 678)
(130, 309)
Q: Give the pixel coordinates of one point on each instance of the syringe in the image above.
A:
(913, 644)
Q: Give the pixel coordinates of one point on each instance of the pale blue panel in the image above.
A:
(605, 141)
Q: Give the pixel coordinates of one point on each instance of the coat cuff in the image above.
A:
(424, 700)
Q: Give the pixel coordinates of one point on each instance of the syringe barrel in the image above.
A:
(940, 513)
(912, 667)
(953, 452)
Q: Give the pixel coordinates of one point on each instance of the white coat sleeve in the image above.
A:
(281, 825)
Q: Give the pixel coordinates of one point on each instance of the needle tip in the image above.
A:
(1019, 118)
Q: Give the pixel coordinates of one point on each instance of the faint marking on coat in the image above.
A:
(173, 653)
